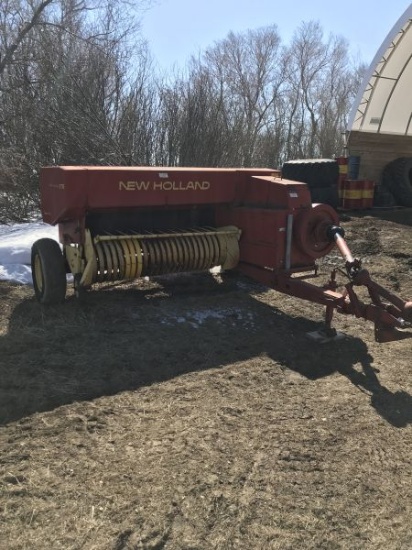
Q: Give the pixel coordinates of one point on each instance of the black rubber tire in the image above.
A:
(383, 197)
(397, 178)
(325, 195)
(48, 270)
(316, 173)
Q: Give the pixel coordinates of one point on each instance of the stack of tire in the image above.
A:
(397, 182)
(320, 175)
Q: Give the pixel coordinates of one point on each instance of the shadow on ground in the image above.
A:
(394, 407)
(122, 339)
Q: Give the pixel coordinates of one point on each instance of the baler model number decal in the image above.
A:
(164, 185)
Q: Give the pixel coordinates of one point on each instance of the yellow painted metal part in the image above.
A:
(38, 273)
(82, 260)
(229, 251)
(127, 257)
(89, 275)
(73, 254)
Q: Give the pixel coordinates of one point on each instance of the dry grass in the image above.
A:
(192, 413)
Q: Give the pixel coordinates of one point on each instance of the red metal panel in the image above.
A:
(289, 194)
(69, 191)
(276, 192)
(244, 176)
(134, 187)
(63, 194)
(256, 191)
(264, 236)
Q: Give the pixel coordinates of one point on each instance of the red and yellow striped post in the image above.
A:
(343, 174)
(368, 193)
(352, 197)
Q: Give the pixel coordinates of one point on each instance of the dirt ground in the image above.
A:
(193, 412)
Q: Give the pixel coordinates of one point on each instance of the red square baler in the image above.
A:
(121, 223)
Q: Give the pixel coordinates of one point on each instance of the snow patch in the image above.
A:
(15, 249)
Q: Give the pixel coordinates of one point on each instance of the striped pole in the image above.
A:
(343, 175)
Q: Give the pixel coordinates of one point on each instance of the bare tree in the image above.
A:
(321, 91)
(15, 28)
(64, 78)
(249, 72)
(135, 116)
(249, 101)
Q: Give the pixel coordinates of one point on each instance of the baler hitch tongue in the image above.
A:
(386, 317)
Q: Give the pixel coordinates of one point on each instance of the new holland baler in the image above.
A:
(122, 223)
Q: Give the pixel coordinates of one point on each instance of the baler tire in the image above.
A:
(398, 178)
(325, 195)
(48, 272)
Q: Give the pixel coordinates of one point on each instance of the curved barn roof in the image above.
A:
(384, 102)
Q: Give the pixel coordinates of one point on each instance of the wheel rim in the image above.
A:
(38, 273)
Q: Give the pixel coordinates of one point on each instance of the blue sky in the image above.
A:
(175, 29)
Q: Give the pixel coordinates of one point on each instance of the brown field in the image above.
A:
(192, 412)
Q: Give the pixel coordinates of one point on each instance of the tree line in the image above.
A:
(75, 89)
